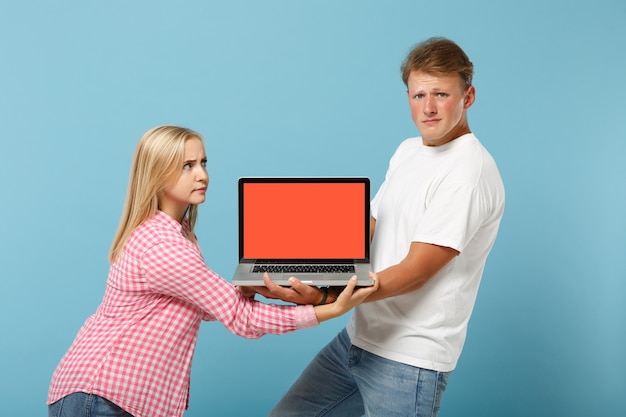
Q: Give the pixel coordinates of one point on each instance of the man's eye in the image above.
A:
(203, 162)
(418, 96)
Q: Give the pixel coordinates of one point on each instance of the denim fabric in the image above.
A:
(80, 404)
(347, 381)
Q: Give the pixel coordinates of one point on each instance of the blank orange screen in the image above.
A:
(303, 221)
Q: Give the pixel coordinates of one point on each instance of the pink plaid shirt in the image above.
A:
(136, 350)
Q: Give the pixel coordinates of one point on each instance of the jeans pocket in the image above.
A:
(55, 409)
(354, 356)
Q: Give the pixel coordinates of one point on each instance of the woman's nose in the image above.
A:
(203, 175)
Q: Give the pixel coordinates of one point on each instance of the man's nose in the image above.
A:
(429, 106)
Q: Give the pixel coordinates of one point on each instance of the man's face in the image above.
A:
(438, 106)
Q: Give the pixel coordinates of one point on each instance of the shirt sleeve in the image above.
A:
(452, 217)
(177, 269)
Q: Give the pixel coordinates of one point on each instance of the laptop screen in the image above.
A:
(304, 218)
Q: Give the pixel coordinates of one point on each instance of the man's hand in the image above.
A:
(347, 299)
(298, 293)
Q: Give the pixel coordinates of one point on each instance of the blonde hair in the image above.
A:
(159, 156)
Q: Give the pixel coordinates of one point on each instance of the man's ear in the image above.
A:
(470, 97)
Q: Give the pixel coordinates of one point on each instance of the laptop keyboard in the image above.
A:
(304, 268)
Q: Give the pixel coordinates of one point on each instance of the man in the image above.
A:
(434, 221)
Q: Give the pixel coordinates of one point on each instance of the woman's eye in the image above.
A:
(203, 162)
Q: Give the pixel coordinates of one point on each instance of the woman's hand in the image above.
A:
(298, 293)
(346, 300)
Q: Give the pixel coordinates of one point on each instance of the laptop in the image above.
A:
(313, 228)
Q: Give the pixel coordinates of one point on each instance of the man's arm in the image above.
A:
(420, 264)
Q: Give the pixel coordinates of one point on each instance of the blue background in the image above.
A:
(313, 88)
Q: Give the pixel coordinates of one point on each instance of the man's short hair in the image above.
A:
(439, 56)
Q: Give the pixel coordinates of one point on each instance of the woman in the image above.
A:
(133, 356)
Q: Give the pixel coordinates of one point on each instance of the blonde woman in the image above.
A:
(133, 356)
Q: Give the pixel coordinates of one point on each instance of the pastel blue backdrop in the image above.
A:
(313, 88)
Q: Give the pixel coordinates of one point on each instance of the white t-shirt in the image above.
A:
(449, 195)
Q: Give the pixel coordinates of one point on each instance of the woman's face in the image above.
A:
(191, 185)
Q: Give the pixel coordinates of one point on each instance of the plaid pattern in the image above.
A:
(136, 350)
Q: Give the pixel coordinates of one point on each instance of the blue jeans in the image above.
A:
(346, 381)
(80, 404)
